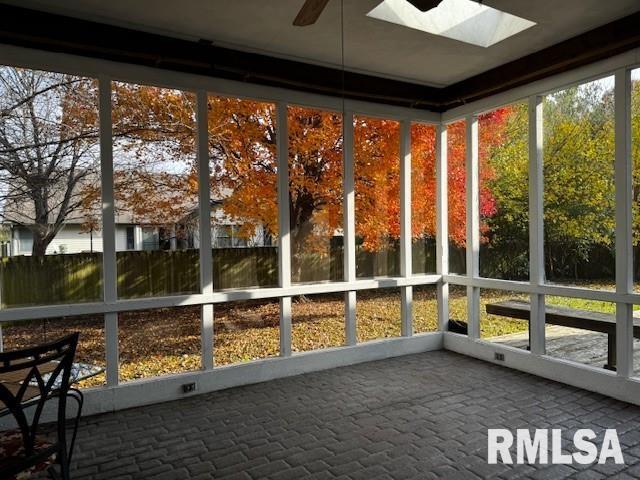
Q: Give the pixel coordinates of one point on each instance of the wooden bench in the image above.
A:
(568, 317)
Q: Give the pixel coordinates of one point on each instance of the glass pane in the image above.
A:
(158, 342)
(315, 193)
(244, 194)
(504, 192)
(246, 330)
(156, 191)
(635, 159)
(576, 330)
(378, 314)
(458, 309)
(50, 207)
(377, 191)
(91, 343)
(504, 317)
(425, 309)
(317, 322)
(579, 190)
(423, 198)
(457, 196)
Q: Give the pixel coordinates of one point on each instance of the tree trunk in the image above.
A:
(40, 244)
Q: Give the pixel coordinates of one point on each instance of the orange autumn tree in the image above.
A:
(155, 175)
(376, 160)
(423, 181)
(315, 188)
(243, 164)
(492, 135)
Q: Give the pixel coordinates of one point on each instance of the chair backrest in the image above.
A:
(32, 376)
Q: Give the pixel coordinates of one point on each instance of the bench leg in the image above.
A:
(611, 352)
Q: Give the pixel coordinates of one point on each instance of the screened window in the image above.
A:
(244, 193)
(457, 196)
(423, 198)
(377, 193)
(579, 190)
(155, 188)
(49, 188)
(315, 193)
(504, 192)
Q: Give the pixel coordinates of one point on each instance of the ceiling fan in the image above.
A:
(311, 10)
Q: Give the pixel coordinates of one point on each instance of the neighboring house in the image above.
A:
(131, 234)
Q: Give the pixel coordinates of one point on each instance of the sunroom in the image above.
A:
(325, 238)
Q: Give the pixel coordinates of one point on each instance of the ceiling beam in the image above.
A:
(58, 33)
(603, 42)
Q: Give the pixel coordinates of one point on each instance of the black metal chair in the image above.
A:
(30, 378)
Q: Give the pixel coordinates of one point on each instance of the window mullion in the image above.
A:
(473, 225)
(349, 239)
(405, 227)
(109, 266)
(204, 218)
(442, 227)
(624, 219)
(536, 224)
(284, 226)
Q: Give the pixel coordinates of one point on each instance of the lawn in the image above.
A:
(163, 341)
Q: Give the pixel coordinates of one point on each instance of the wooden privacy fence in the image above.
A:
(50, 280)
(157, 273)
(77, 278)
(245, 267)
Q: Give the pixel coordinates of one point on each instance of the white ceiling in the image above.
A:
(371, 46)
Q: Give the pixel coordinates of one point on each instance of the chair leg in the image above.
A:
(79, 398)
(62, 458)
(65, 452)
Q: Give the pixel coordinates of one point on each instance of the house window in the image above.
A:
(131, 243)
(237, 239)
(150, 239)
(222, 236)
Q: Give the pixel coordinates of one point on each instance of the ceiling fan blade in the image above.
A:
(310, 12)
(424, 5)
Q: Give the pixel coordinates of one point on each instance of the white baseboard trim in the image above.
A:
(166, 388)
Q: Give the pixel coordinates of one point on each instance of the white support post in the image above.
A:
(624, 221)
(349, 221)
(442, 227)
(473, 225)
(536, 224)
(109, 266)
(405, 228)
(204, 219)
(284, 226)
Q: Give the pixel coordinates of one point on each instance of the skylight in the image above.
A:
(463, 20)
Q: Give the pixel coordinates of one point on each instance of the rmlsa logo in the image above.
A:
(540, 448)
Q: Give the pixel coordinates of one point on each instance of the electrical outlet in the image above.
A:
(189, 387)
